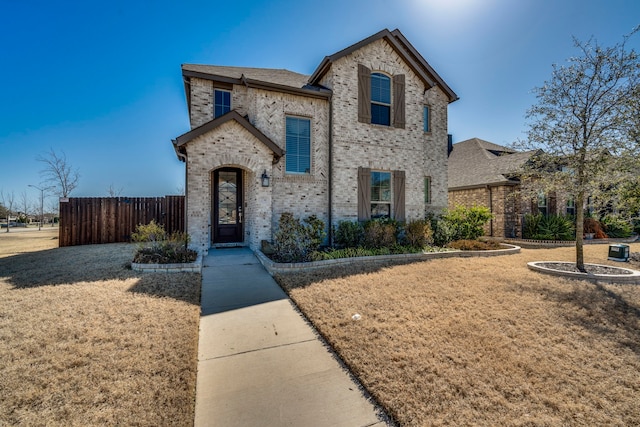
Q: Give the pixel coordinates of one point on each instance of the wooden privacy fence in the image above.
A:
(93, 220)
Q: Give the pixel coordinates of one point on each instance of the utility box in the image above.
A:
(619, 253)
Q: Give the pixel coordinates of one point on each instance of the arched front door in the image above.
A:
(227, 206)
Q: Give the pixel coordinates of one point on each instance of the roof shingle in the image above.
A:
(476, 162)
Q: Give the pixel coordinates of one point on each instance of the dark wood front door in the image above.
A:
(227, 205)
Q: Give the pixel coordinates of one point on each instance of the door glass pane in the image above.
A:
(227, 197)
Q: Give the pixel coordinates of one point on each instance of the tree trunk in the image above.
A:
(580, 231)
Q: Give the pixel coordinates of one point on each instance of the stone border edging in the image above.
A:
(545, 244)
(276, 267)
(633, 278)
(185, 267)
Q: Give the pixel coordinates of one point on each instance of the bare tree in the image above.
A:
(59, 173)
(581, 124)
(7, 201)
(24, 204)
(114, 192)
(53, 208)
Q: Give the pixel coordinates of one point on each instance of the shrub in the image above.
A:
(531, 226)
(468, 222)
(155, 247)
(348, 234)
(443, 231)
(149, 233)
(555, 227)
(473, 245)
(294, 241)
(380, 233)
(617, 227)
(315, 231)
(360, 251)
(418, 233)
(460, 223)
(592, 225)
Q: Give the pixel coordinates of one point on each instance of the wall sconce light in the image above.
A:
(265, 179)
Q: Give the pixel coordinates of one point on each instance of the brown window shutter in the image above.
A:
(398, 101)
(552, 203)
(364, 194)
(398, 195)
(364, 94)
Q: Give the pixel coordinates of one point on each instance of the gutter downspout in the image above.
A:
(330, 177)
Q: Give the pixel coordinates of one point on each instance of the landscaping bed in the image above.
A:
(482, 340)
(84, 340)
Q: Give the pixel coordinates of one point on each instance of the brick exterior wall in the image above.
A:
(507, 206)
(386, 148)
(355, 145)
(501, 201)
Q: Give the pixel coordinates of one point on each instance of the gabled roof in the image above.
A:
(403, 48)
(183, 139)
(476, 163)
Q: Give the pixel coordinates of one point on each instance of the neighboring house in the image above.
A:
(485, 174)
(364, 136)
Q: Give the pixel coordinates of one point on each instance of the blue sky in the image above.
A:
(101, 81)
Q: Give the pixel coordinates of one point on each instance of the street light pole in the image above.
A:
(41, 205)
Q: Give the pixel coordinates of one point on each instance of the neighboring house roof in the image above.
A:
(476, 163)
(180, 141)
(403, 48)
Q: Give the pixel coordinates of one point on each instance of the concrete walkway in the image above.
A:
(259, 362)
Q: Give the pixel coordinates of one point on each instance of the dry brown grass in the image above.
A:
(484, 341)
(86, 341)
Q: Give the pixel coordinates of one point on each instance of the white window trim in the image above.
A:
(295, 116)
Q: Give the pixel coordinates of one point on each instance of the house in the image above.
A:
(363, 136)
(485, 174)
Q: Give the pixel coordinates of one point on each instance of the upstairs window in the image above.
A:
(426, 117)
(221, 102)
(376, 98)
(298, 136)
(380, 99)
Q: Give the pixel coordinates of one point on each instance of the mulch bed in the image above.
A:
(590, 268)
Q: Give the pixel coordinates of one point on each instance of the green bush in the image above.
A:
(149, 233)
(531, 225)
(418, 233)
(616, 227)
(460, 223)
(556, 227)
(468, 222)
(551, 227)
(295, 241)
(156, 247)
(348, 234)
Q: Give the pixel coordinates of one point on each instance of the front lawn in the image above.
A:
(86, 341)
(483, 341)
